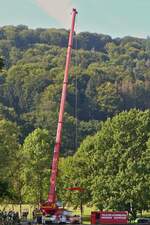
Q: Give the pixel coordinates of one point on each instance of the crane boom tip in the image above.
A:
(74, 10)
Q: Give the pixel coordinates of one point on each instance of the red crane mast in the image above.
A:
(54, 171)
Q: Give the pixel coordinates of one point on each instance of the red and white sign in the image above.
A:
(120, 217)
(108, 217)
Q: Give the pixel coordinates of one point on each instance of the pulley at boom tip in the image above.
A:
(74, 10)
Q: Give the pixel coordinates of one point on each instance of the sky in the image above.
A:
(117, 18)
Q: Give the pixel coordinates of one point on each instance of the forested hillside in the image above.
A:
(107, 76)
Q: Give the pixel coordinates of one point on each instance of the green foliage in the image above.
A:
(120, 179)
(1, 64)
(109, 100)
(93, 41)
(24, 84)
(113, 165)
(9, 153)
(37, 155)
(5, 192)
(107, 76)
(7, 113)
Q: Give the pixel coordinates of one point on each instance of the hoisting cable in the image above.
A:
(76, 85)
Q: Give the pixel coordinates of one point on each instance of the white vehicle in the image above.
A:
(61, 219)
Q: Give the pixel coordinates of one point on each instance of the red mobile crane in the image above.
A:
(50, 207)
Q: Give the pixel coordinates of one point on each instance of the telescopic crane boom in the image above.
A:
(53, 177)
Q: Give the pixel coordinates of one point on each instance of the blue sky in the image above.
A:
(114, 17)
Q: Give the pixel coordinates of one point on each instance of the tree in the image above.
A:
(24, 84)
(9, 153)
(36, 167)
(95, 41)
(73, 172)
(2, 78)
(109, 99)
(5, 191)
(7, 113)
(121, 143)
(106, 77)
(1, 64)
(112, 165)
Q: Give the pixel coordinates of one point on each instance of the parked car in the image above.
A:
(143, 220)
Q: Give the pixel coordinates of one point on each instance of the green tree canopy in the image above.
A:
(9, 153)
(37, 154)
(112, 165)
